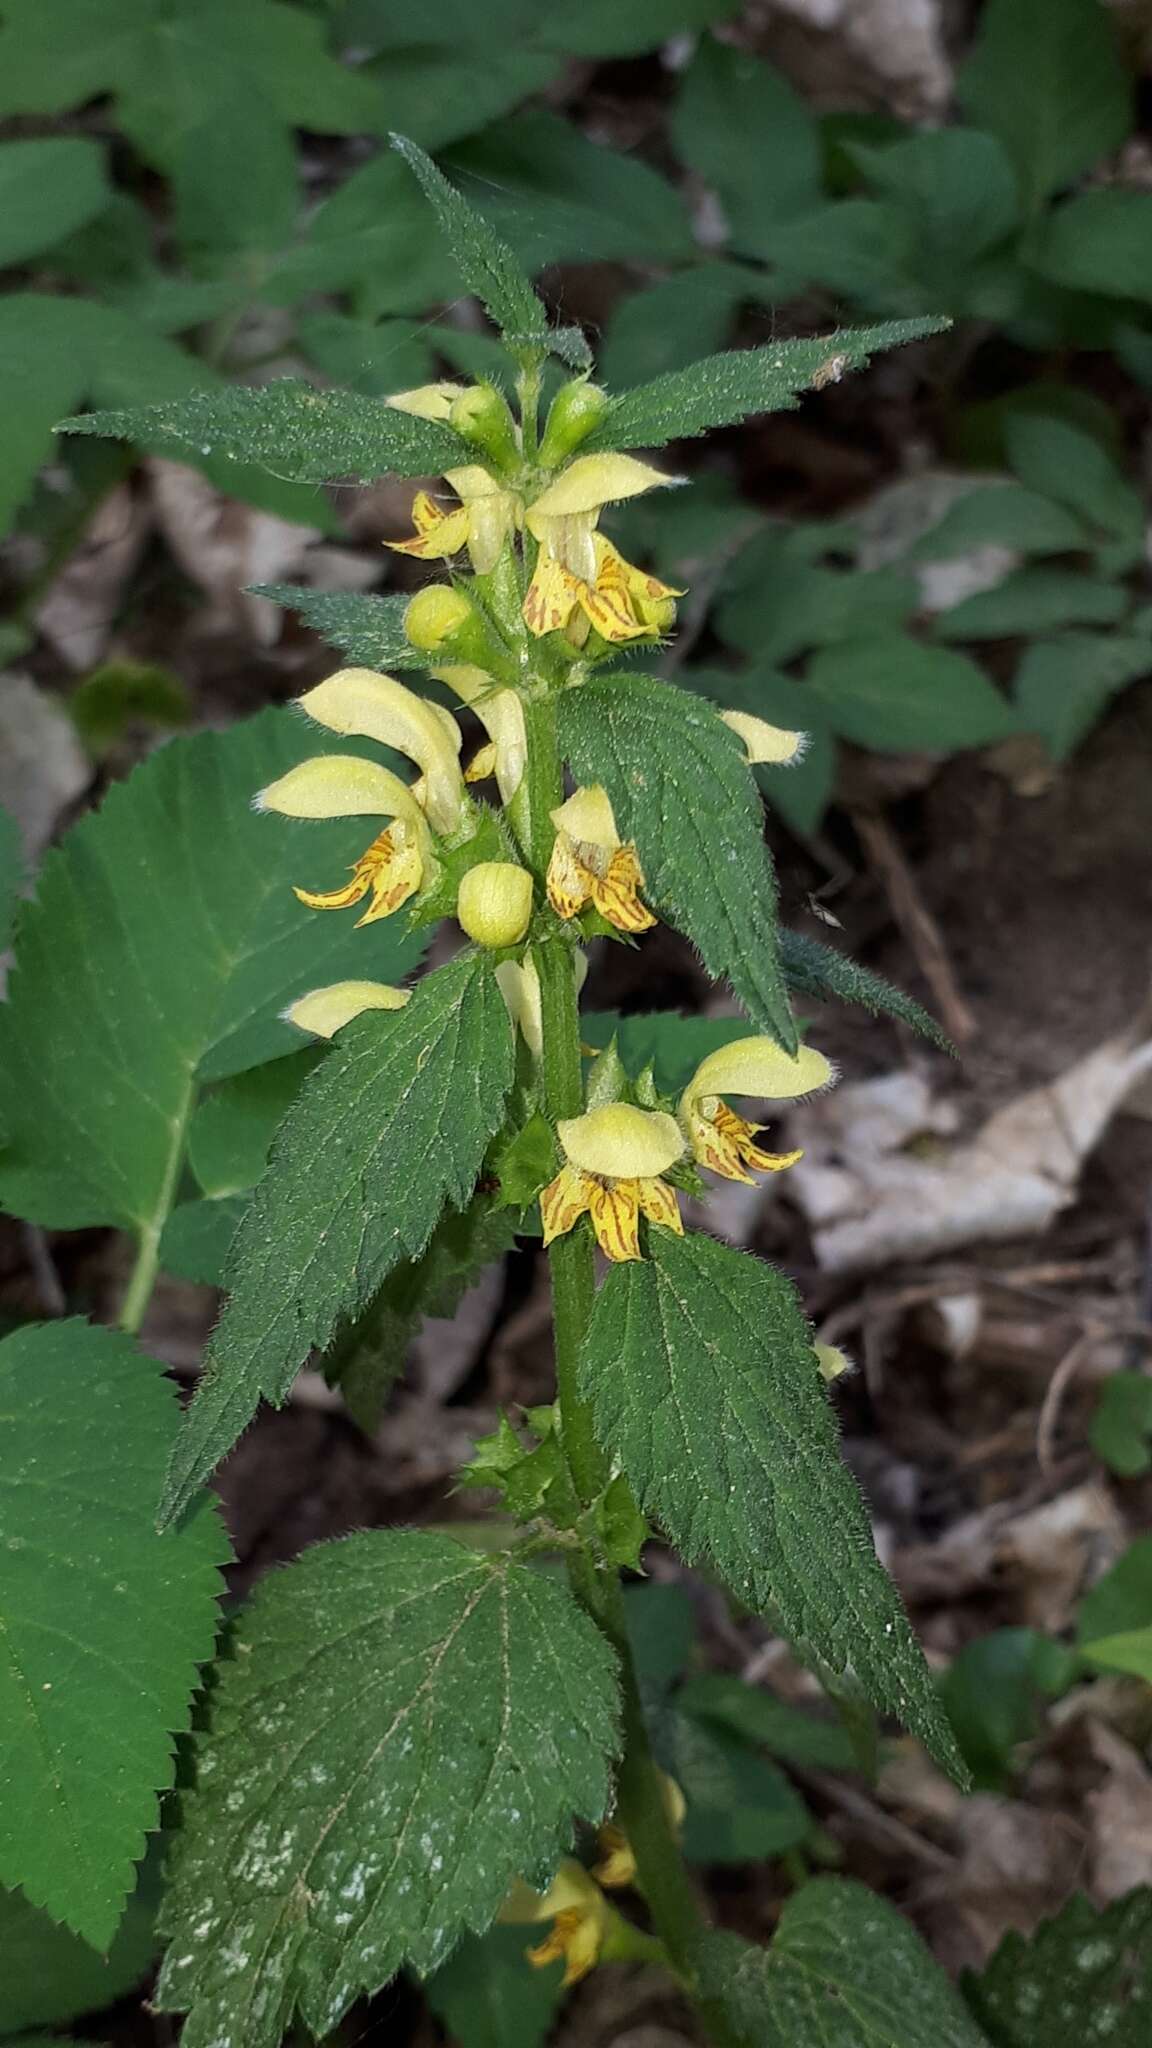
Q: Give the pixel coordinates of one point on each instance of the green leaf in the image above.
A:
(434, 95)
(234, 178)
(761, 1719)
(405, 1727)
(1082, 1980)
(121, 696)
(557, 195)
(604, 28)
(726, 388)
(47, 189)
(377, 357)
(162, 946)
(994, 1692)
(51, 1975)
(488, 1995)
(40, 378)
(800, 791)
(740, 1809)
(812, 969)
(862, 249)
(197, 1236)
(11, 874)
(845, 1970)
(1069, 464)
(896, 695)
(369, 630)
(1078, 103)
(486, 263)
(661, 1624)
(1003, 515)
(103, 1622)
(1121, 1425)
(231, 1131)
(703, 1383)
(368, 1358)
(1120, 1601)
(1062, 685)
(957, 189)
(393, 1125)
(1033, 600)
(776, 606)
(680, 788)
(1098, 242)
(668, 325)
(662, 1039)
(1131, 1652)
(289, 428)
(744, 128)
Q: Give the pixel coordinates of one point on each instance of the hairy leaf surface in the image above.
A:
(700, 1370)
(487, 265)
(725, 388)
(844, 1970)
(102, 1622)
(815, 970)
(1083, 1980)
(162, 946)
(681, 788)
(369, 630)
(289, 428)
(405, 1727)
(391, 1126)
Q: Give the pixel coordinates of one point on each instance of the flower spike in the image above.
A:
(589, 864)
(614, 1159)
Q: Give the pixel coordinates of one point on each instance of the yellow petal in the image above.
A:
(764, 742)
(377, 707)
(471, 481)
(594, 480)
(615, 893)
(490, 521)
(326, 1010)
(615, 1210)
(426, 401)
(550, 596)
(658, 1203)
(569, 882)
(439, 533)
(622, 1141)
(832, 1361)
(338, 786)
(571, 1887)
(588, 815)
(758, 1066)
(519, 984)
(563, 1202)
(482, 764)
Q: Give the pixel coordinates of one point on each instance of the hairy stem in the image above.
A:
(661, 1873)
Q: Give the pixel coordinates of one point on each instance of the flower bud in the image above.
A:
(495, 903)
(442, 620)
(481, 415)
(577, 407)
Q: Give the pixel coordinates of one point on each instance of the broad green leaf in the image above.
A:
(197, 1237)
(234, 178)
(759, 1718)
(668, 325)
(1121, 1425)
(1122, 1600)
(120, 697)
(897, 695)
(812, 969)
(1033, 600)
(368, 1358)
(11, 874)
(434, 95)
(393, 1125)
(369, 630)
(801, 791)
(680, 788)
(405, 1726)
(162, 946)
(232, 1128)
(726, 388)
(371, 236)
(957, 189)
(554, 194)
(740, 1809)
(47, 189)
(1062, 685)
(40, 378)
(1130, 1651)
(50, 1975)
(745, 129)
(861, 249)
(1069, 464)
(486, 263)
(703, 1383)
(1082, 1980)
(103, 1623)
(605, 28)
(844, 1970)
(289, 428)
(1003, 515)
(1099, 242)
(1078, 102)
(776, 606)
(488, 1995)
(662, 1039)
(994, 1691)
(377, 357)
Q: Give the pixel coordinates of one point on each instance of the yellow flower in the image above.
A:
(589, 864)
(377, 707)
(766, 743)
(832, 1361)
(577, 569)
(325, 1011)
(726, 1142)
(617, 1865)
(344, 786)
(580, 1915)
(501, 713)
(486, 514)
(520, 987)
(614, 1157)
(427, 401)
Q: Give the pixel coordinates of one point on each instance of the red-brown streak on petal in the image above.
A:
(615, 1211)
(659, 1204)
